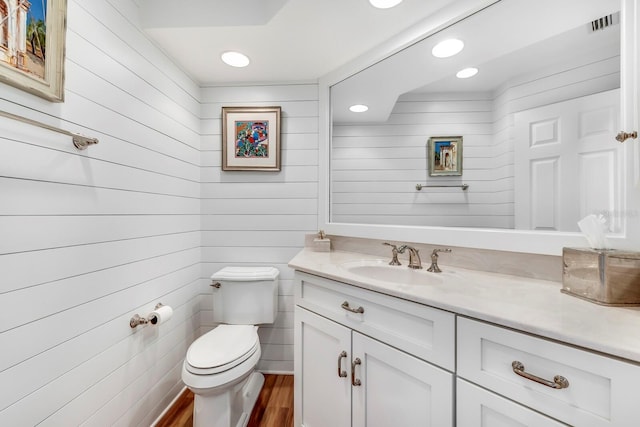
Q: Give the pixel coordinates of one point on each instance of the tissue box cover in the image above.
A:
(603, 276)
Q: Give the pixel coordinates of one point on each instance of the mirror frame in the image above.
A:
(527, 241)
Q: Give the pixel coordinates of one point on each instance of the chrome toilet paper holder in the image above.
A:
(138, 320)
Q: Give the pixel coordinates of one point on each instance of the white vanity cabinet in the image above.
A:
(361, 358)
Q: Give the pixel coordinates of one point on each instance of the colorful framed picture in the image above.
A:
(32, 35)
(251, 138)
(444, 155)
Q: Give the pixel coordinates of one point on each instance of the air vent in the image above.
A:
(605, 21)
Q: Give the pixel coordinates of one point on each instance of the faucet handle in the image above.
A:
(434, 268)
(435, 251)
(394, 254)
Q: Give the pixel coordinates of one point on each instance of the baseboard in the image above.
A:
(162, 414)
(272, 372)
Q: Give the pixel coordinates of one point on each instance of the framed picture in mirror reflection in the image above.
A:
(444, 155)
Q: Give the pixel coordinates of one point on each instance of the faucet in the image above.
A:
(394, 254)
(414, 256)
(434, 260)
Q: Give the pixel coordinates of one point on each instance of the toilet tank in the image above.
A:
(246, 295)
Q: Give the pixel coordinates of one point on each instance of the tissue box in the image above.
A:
(603, 276)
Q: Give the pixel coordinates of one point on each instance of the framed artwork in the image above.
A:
(32, 36)
(444, 155)
(251, 138)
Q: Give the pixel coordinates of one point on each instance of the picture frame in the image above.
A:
(32, 37)
(251, 139)
(444, 155)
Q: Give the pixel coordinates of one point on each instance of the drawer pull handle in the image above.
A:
(354, 381)
(558, 382)
(341, 373)
(358, 310)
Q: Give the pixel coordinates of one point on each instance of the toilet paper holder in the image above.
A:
(151, 318)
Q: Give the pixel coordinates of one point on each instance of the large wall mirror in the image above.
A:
(537, 124)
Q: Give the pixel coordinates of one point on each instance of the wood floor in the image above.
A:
(274, 407)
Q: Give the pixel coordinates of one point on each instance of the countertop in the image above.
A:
(534, 306)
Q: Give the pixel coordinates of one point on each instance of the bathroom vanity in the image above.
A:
(462, 347)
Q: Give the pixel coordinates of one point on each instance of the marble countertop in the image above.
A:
(534, 306)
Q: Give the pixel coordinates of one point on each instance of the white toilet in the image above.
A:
(219, 366)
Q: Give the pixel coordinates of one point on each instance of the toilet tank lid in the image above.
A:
(246, 274)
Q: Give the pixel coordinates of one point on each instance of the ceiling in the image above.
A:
(505, 41)
(286, 40)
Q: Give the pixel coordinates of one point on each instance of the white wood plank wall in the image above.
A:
(375, 167)
(87, 239)
(260, 218)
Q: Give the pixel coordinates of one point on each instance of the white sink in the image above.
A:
(380, 270)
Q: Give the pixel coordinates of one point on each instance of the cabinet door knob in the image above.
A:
(215, 285)
(354, 381)
(341, 373)
(359, 310)
(623, 136)
(557, 383)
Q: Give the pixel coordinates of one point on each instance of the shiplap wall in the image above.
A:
(87, 239)
(375, 167)
(260, 218)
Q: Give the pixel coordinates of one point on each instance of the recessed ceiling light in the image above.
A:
(358, 108)
(384, 4)
(235, 59)
(447, 48)
(466, 73)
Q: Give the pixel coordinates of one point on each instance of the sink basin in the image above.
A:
(380, 270)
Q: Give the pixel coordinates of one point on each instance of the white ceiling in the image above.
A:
(286, 40)
(506, 40)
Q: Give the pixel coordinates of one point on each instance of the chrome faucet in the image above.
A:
(414, 256)
(434, 260)
(394, 254)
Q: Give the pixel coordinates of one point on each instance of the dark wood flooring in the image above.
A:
(274, 407)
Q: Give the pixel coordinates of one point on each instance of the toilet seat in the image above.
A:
(221, 349)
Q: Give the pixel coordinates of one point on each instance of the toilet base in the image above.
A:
(231, 407)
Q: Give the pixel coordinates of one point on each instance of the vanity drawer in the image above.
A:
(599, 388)
(477, 407)
(422, 331)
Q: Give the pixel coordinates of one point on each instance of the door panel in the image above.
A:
(398, 389)
(568, 163)
(324, 398)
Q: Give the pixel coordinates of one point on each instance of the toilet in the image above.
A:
(219, 367)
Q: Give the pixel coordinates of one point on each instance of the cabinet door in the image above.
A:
(397, 389)
(477, 407)
(322, 396)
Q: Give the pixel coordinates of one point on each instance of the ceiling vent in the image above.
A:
(605, 21)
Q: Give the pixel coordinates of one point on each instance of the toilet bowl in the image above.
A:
(219, 367)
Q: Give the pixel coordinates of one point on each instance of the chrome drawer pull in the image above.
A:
(358, 310)
(354, 381)
(557, 383)
(341, 373)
